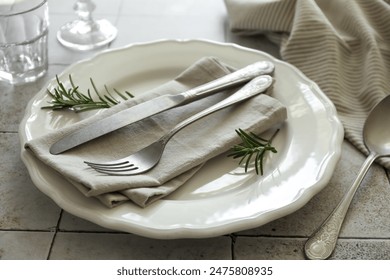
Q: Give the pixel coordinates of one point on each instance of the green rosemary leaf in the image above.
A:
(71, 82)
(80, 95)
(74, 99)
(258, 137)
(120, 94)
(96, 90)
(57, 95)
(111, 96)
(243, 156)
(128, 94)
(248, 140)
(248, 160)
(61, 86)
(252, 146)
(51, 94)
(257, 163)
(112, 100)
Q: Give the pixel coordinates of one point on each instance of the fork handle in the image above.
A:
(230, 80)
(254, 87)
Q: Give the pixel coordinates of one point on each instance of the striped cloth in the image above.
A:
(342, 45)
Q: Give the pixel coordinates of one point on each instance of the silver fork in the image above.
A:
(148, 157)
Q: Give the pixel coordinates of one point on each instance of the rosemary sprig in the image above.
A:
(73, 99)
(252, 146)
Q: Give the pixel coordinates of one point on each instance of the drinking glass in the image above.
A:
(23, 40)
(85, 33)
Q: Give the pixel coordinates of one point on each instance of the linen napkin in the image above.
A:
(342, 45)
(185, 152)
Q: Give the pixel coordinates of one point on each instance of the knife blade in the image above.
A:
(158, 105)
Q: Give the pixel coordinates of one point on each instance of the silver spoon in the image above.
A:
(376, 135)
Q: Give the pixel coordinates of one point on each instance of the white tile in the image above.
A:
(173, 7)
(263, 248)
(22, 205)
(148, 28)
(72, 223)
(128, 246)
(358, 249)
(258, 42)
(15, 99)
(18, 245)
(273, 248)
(103, 7)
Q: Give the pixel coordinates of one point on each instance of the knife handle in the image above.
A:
(233, 79)
(252, 88)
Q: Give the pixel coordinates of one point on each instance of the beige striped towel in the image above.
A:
(342, 45)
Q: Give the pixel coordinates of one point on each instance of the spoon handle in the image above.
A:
(321, 244)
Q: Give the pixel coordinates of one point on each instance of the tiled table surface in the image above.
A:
(34, 227)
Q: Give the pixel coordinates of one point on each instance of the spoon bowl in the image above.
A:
(376, 132)
(376, 136)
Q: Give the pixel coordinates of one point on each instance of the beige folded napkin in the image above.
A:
(342, 45)
(183, 155)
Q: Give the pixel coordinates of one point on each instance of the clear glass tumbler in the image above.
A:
(23, 40)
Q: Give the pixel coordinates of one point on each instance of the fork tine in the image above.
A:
(117, 173)
(117, 169)
(107, 164)
(113, 167)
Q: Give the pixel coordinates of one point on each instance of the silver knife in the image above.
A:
(157, 105)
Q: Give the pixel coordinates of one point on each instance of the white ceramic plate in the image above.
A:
(221, 198)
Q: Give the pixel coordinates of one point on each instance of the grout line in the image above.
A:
(271, 236)
(368, 238)
(232, 236)
(8, 132)
(55, 234)
(24, 230)
(91, 231)
(387, 174)
(233, 243)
